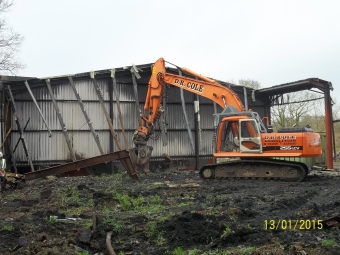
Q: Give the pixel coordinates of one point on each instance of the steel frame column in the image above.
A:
(333, 134)
(2, 111)
(197, 132)
(245, 98)
(113, 89)
(61, 121)
(328, 123)
(135, 74)
(111, 146)
(186, 116)
(87, 118)
(7, 127)
(22, 137)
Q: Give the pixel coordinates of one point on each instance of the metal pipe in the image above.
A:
(108, 243)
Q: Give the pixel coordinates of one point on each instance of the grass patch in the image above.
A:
(185, 204)
(140, 203)
(88, 224)
(116, 225)
(247, 250)
(233, 217)
(227, 231)
(329, 242)
(178, 251)
(7, 228)
(151, 229)
(83, 253)
(160, 240)
(73, 211)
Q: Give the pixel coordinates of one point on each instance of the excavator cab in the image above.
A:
(239, 134)
(249, 135)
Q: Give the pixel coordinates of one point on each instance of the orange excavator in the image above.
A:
(241, 135)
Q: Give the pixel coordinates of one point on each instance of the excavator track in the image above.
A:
(264, 169)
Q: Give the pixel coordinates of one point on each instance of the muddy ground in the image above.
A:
(169, 213)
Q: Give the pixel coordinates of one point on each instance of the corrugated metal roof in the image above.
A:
(295, 86)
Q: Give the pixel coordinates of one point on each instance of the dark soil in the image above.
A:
(168, 213)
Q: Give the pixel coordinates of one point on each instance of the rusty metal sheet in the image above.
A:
(123, 156)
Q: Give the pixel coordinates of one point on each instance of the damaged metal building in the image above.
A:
(56, 120)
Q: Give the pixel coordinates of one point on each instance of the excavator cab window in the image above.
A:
(229, 142)
(250, 138)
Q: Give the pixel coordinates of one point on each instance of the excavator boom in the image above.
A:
(205, 87)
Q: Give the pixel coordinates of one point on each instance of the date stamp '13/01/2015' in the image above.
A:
(293, 224)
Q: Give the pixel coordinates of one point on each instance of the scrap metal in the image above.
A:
(123, 156)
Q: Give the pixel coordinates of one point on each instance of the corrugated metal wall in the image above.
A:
(46, 150)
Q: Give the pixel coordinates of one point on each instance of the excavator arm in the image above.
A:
(202, 86)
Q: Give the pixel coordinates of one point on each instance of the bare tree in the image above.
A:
(299, 109)
(249, 83)
(10, 42)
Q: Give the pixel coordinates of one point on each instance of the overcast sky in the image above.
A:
(273, 42)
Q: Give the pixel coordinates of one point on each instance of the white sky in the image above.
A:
(273, 42)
